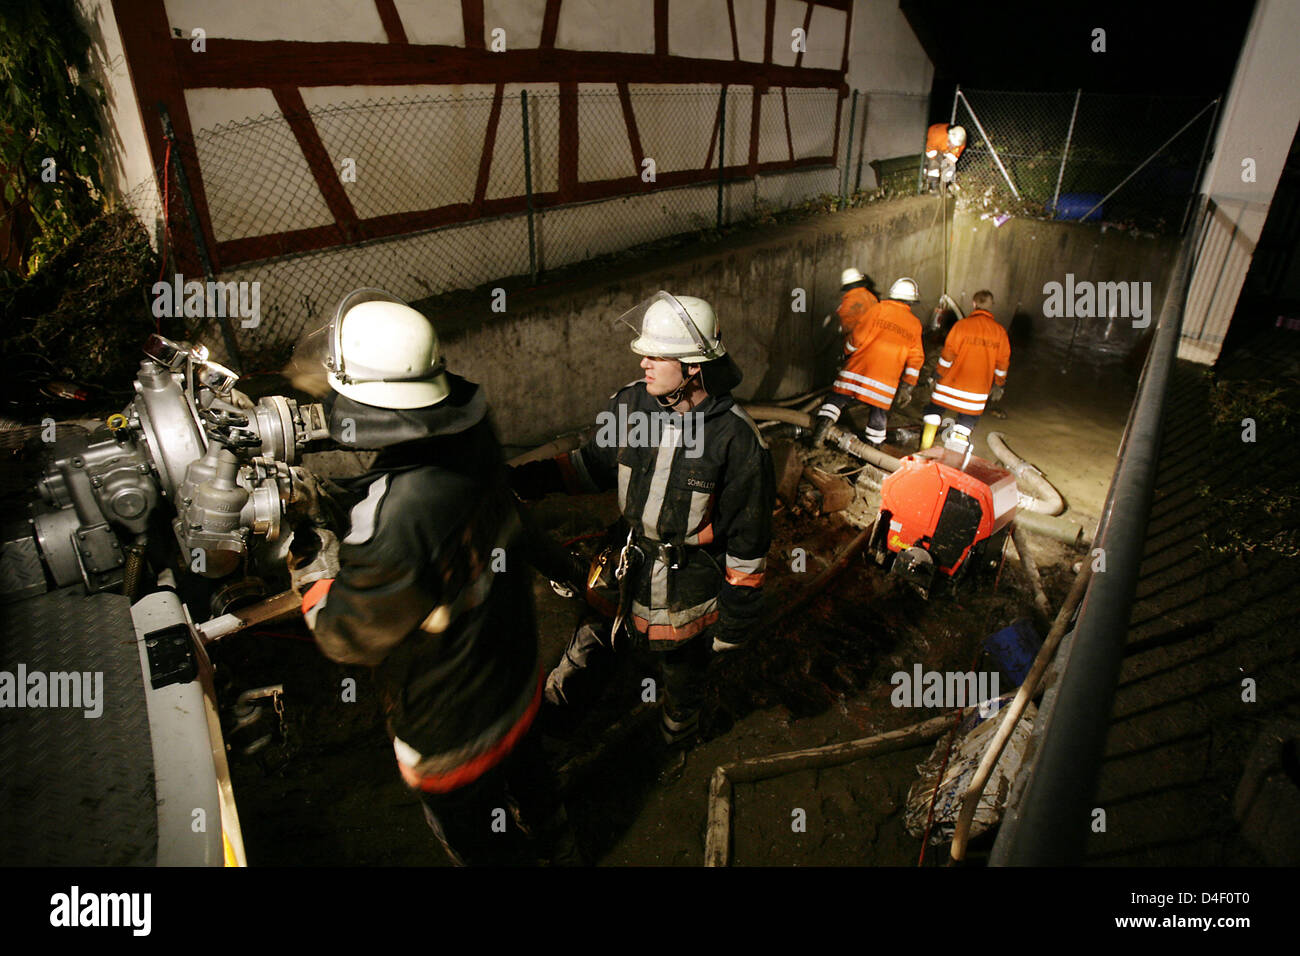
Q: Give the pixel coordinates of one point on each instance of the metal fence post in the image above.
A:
(984, 136)
(848, 151)
(722, 147)
(196, 228)
(1068, 135)
(862, 147)
(528, 188)
(1200, 167)
(1159, 150)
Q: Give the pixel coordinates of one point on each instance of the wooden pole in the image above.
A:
(1027, 691)
(718, 834)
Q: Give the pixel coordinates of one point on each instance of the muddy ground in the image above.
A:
(331, 793)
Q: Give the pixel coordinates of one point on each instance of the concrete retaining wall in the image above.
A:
(549, 362)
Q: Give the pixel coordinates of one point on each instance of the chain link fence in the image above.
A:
(406, 203)
(1129, 160)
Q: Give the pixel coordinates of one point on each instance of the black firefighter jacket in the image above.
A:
(433, 591)
(705, 486)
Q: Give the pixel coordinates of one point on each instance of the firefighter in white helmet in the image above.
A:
(884, 347)
(696, 492)
(856, 298)
(416, 590)
(944, 145)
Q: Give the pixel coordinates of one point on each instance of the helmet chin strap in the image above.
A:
(679, 393)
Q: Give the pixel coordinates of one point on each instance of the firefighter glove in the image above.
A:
(995, 394)
(904, 396)
(313, 556)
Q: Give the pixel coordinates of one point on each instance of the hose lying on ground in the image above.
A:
(1040, 497)
(1036, 520)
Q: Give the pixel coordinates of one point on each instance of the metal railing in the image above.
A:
(1049, 822)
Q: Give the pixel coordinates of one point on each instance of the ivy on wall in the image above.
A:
(49, 132)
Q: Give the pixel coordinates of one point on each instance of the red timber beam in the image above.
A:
(157, 76)
(489, 146)
(843, 85)
(629, 120)
(251, 64)
(568, 161)
(550, 24)
(391, 20)
(735, 38)
(471, 15)
(318, 160)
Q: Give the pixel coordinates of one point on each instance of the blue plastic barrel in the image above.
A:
(1014, 648)
(1074, 205)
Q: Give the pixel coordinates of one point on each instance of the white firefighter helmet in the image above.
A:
(904, 290)
(849, 276)
(956, 136)
(679, 327)
(384, 353)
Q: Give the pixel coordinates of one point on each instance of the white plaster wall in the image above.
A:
(432, 21)
(128, 164)
(812, 122)
(1259, 121)
(825, 39)
(750, 29)
(255, 177)
(675, 123)
(604, 149)
(282, 19)
(413, 151)
(699, 28)
(789, 14)
(772, 144)
(521, 19)
(507, 174)
(893, 120)
(888, 64)
(884, 53)
(624, 26)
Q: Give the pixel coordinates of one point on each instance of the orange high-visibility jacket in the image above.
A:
(936, 142)
(885, 344)
(853, 306)
(976, 354)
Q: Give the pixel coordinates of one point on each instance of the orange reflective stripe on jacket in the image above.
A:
(976, 354)
(885, 345)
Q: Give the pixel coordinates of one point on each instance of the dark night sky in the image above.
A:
(1165, 48)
